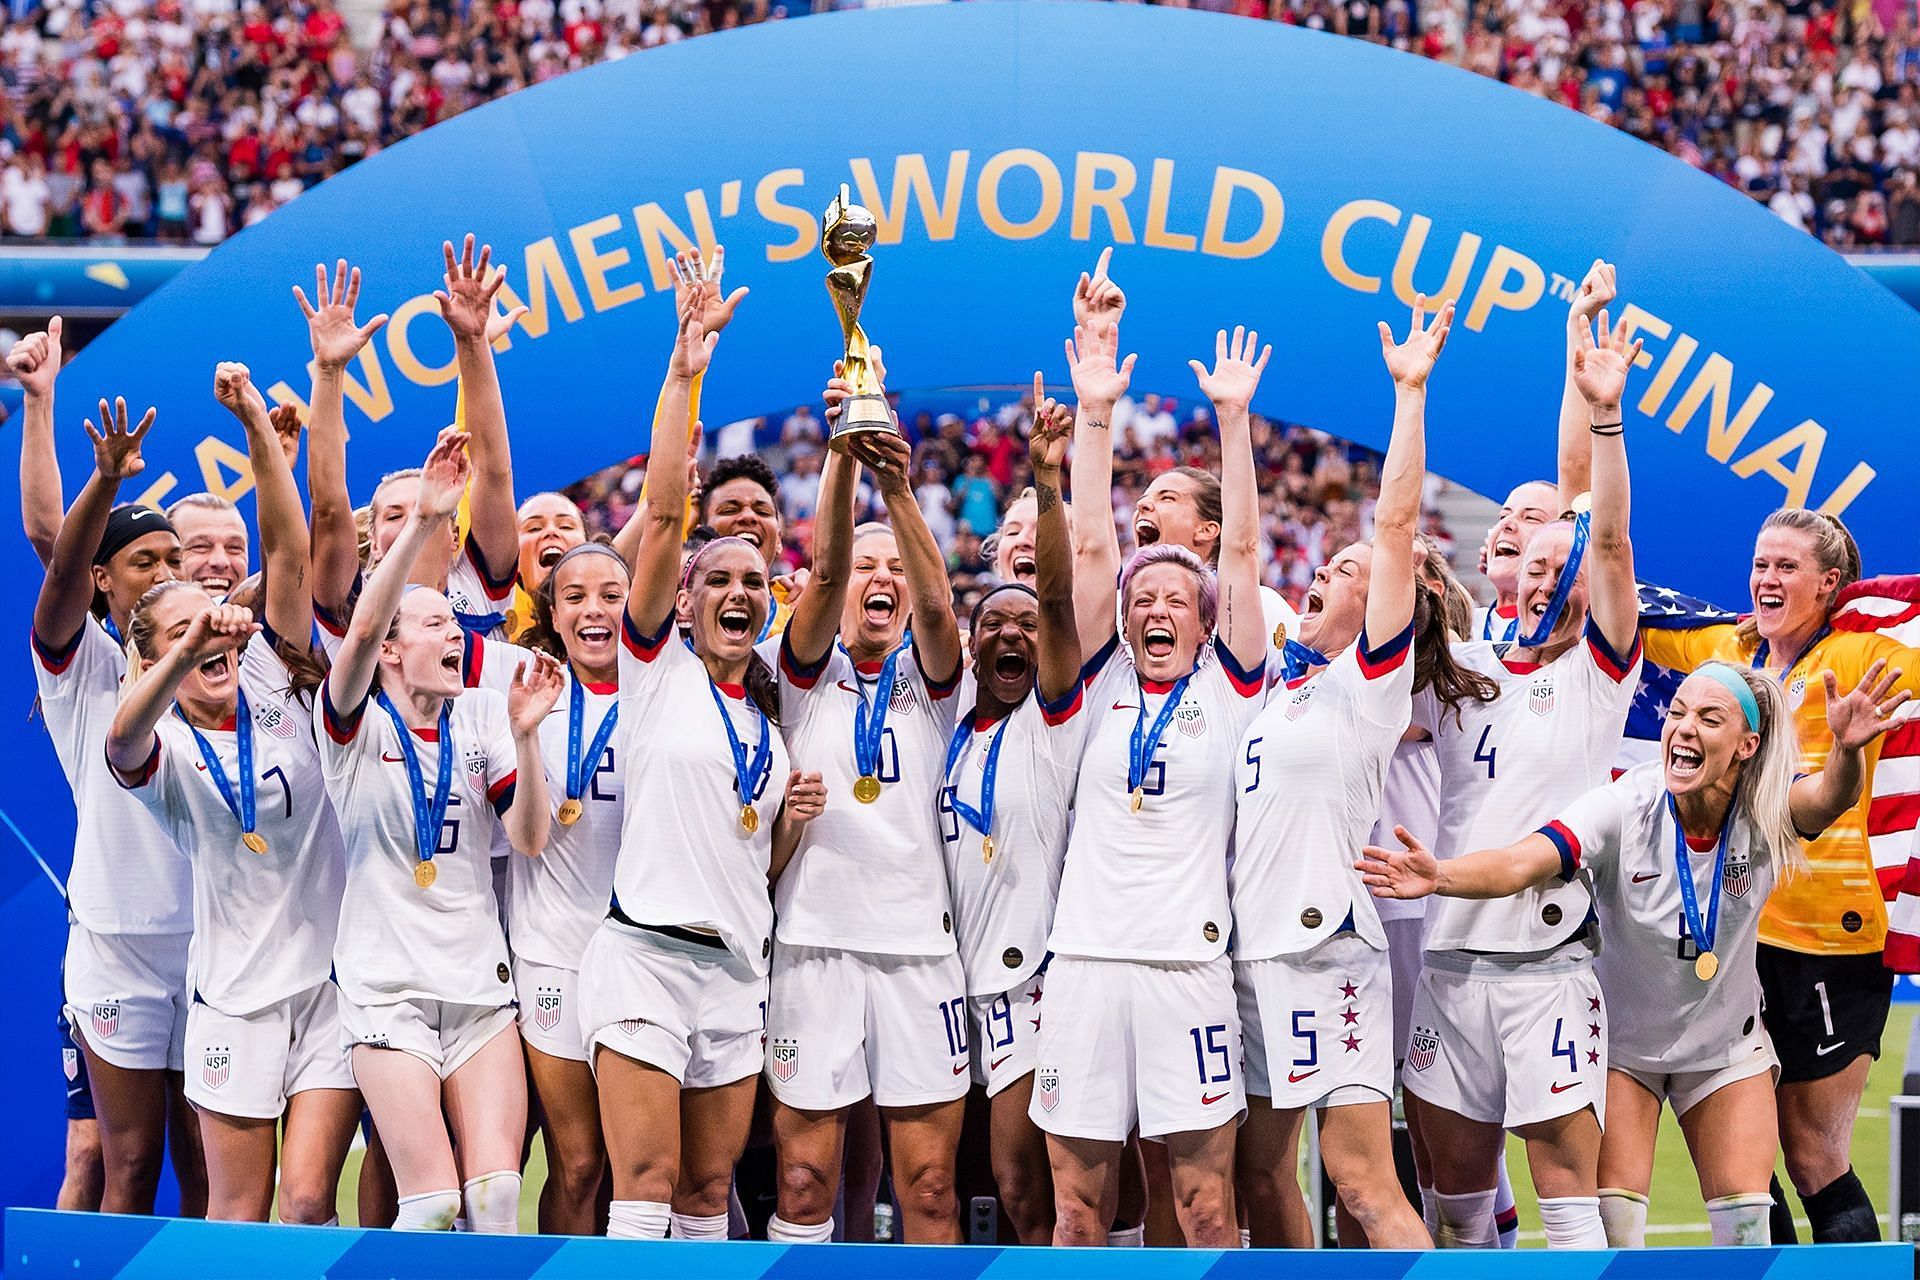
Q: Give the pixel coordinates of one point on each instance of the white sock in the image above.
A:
(1741, 1219)
(334, 1221)
(1573, 1222)
(638, 1220)
(1430, 1211)
(778, 1228)
(1506, 1218)
(685, 1226)
(1466, 1221)
(1624, 1215)
(428, 1211)
(1246, 1237)
(1127, 1238)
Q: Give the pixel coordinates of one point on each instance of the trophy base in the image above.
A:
(860, 415)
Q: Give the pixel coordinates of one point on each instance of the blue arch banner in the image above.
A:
(1248, 173)
(75, 1246)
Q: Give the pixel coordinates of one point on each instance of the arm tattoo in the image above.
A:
(1046, 497)
(1096, 424)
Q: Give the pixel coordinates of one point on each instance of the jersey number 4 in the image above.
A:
(1483, 753)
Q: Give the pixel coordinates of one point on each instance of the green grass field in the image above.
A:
(1675, 1217)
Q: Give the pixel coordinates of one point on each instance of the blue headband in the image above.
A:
(1736, 684)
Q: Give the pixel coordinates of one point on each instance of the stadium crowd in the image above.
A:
(185, 120)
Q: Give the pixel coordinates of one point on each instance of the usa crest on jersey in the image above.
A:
(1046, 1084)
(1540, 697)
(546, 1008)
(1191, 719)
(106, 1019)
(1796, 693)
(274, 720)
(785, 1058)
(1737, 876)
(216, 1067)
(70, 1063)
(1422, 1049)
(900, 700)
(1302, 698)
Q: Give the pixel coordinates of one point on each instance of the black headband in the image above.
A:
(973, 619)
(128, 523)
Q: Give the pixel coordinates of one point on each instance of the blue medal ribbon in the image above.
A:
(1760, 654)
(1297, 659)
(241, 806)
(1145, 742)
(1702, 932)
(746, 775)
(580, 768)
(980, 819)
(1509, 626)
(428, 815)
(1557, 605)
(870, 720)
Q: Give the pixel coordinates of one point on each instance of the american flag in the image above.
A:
(1890, 605)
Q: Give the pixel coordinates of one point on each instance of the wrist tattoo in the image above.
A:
(1096, 424)
(1045, 497)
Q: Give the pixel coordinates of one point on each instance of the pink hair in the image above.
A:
(1169, 553)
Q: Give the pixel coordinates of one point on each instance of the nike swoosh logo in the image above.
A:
(387, 759)
(959, 1068)
(1639, 878)
(1124, 706)
(844, 685)
(1563, 1087)
(995, 1064)
(1824, 1049)
(1208, 1099)
(1295, 1077)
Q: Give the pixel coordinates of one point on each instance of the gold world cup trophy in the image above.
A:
(846, 236)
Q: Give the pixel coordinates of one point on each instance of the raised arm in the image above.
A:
(336, 339)
(466, 304)
(1396, 514)
(1413, 871)
(534, 690)
(656, 565)
(67, 591)
(1600, 372)
(35, 361)
(1047, 443)
(283, 522)
(816, 616)
(1576, 445)
(936, 635)
(1230, 386)
(1855, 719)
(1098, 384)
(442, 480)
(219, 628)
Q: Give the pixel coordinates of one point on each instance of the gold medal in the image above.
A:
(1280, 636)
(255, 842)
(424, 875)
(570, 811)
(749, 819)
(1705, 966)
(1139, 798)
(867, 789)
(986, 849)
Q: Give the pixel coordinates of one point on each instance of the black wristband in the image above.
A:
(1608, 428)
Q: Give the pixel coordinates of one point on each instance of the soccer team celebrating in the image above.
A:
(456, 824)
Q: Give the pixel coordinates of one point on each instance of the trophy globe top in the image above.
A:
(848, 237)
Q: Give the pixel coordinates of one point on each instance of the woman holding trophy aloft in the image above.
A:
(868, 996)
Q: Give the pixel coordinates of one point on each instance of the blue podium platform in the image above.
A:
(78, 1246)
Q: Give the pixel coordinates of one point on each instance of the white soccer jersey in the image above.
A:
(1307, 783)
(263, 924)
(559, 898)
(1665, 1018)
(1003, 907)
(479, 601)
(868, 877)
(685, 859)
(1410, 798)
(1152, 884)
(1283, 623)
(397, 940)
(128, 876)
(1510, 765)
